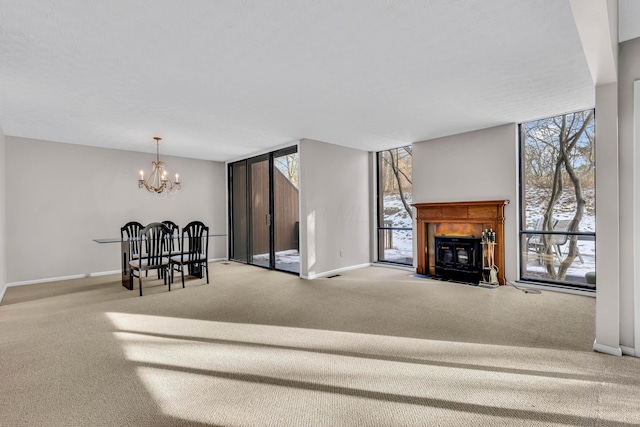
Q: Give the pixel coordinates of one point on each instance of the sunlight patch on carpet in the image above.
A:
(218, 372)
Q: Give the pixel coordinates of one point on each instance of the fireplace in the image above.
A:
(459, 220)
(458, 258)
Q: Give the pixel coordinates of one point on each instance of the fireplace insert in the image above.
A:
(458, 258)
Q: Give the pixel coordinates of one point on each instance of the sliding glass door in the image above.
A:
(259, 212)
(264, 213)
(238, 211)
(286, 211)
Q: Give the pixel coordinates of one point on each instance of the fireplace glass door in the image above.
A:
(458, 258)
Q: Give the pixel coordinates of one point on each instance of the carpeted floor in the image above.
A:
(371, 347)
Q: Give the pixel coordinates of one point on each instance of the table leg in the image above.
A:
(126, 279)
(195, 270)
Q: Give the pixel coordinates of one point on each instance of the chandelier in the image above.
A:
(158, 182)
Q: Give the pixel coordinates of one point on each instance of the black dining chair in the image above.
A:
(173, 240)
(154, 236)
(172, 246)
(131, 232)
(195, 251)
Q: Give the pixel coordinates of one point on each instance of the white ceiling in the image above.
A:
(223, 79)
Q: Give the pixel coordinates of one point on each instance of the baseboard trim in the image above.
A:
(76, 276)
(532, 285)
(628, 351)
(58, 279)
(48, 279)
(336, 271)
(396, 266)
(607, 349)
(104, 273)
(2, 292)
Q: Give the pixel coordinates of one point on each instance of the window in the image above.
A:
(395, 236)
(557, 227)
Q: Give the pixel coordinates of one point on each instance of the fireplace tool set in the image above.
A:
(489, 268)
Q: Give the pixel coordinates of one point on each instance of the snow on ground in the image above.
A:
(289, 256)
(395, 215)
(287, 260)
(565, 209)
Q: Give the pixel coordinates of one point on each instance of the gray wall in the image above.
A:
(334, 207)
(62, 196)
(479, 165)
(629, 70)
(3, 216)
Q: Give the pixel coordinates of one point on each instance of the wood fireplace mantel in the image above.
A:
(458, 219)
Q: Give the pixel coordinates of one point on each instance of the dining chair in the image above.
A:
(195, 251)
(154, 236)
(131, 232)
(173, 239)
(172, 246)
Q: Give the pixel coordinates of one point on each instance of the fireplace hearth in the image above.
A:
(458, 258)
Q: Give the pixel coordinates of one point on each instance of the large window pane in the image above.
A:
(238, 179)
(259, 209)
(286, 211)
(395, 239)
(558, 199)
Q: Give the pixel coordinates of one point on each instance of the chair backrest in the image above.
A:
(561, 225)
(131, 232)
(173, 239)
(195, 241)
(536, 239)
(155, 238)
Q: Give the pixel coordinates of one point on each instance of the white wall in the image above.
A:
(608, 212)
(3, 216)
(629, 70)
(479, 165)
(334, 207)
(60, 197)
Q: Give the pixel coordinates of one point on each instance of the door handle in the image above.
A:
(268, 219)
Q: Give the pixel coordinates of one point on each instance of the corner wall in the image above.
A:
(3, 216)
(629, 71)
(334, 208)
(62, 196)
(479, 165)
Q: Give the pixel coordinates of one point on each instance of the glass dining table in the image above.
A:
(125, 257)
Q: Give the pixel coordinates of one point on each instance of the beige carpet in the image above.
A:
(373, 347)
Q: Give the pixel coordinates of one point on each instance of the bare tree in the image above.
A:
(289, 166)
(399, 161)
(560, 150)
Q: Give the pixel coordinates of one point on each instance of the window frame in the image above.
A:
(524, 232)
(381, 228)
